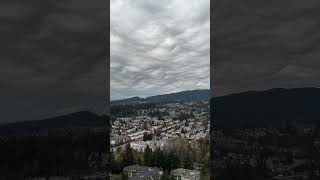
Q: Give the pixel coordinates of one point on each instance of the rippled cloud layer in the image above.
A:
(260, 45)
(159, 47)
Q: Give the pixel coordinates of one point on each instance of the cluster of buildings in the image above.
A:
(185, 174)
(284, 154)
(136, 172)
(154, 126)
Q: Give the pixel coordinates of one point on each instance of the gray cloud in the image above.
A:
(260, 45)
(159, 46)
(54, 56)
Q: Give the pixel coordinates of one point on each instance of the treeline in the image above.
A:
(158, 114)
(167, 160)
(129, 110)
(185, 116)
(157, 158)
(177, 153)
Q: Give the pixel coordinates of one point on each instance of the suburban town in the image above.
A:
(155, 134)
(267, 153)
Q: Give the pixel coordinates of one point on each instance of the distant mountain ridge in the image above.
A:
(246, 109)
(190, 95)
(85, 119)
(272, 107)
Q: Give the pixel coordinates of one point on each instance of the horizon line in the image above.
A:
(166, 93)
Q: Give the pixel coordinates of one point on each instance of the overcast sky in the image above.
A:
(258, 45)
(54, 54)
(159, 47)
(54, 57)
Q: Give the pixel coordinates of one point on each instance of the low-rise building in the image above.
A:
(136, 172)
(185, 174)
(116, 140)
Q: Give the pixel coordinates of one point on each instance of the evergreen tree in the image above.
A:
(187, 163)
(157, 157)
(172, 161)
(139, 161)
(128, 158)
(147, 156)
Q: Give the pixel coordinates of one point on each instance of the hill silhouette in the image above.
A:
(191, 95)
(272, 107)
(68, 121)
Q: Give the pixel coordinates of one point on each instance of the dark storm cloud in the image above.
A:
(258, 45)
(159, 46)
(54, 57)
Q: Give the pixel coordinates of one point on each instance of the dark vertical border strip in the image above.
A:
(107, 37)
(211, 90)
